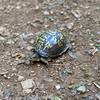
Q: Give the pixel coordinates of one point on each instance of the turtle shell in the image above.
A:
(50, 44)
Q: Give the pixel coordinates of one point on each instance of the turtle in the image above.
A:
(48, 45)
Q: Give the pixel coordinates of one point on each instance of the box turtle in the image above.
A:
(49, 44)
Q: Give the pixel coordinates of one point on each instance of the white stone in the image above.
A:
(70, 25)
(37, 7)
(10, 41)
(27, 84)
(57, 86)
(81, 89)
(76, 13)
(2, 38)
(46, 13)
(20, 78)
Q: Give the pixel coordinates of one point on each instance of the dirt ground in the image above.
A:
(20, 22)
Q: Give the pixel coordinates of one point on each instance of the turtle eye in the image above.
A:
(33, 50)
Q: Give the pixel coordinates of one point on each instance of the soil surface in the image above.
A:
(73, 76)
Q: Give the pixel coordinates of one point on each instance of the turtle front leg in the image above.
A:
(45, 61)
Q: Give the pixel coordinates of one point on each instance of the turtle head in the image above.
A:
(29, 58)
(34, 57)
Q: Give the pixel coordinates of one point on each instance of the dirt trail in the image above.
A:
(79, 20)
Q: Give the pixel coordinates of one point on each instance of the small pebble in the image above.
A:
(81, 89)
(10, 41)
(2, 38)
(37, 7)
(70, 25)
(6, 77)
(62, 12)
(20, 78)
(97, 85)
(57, 86)
(29, 48)
(18, 7)
(51, 12)
(76, 13)
(27, 84)
(46, 13)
